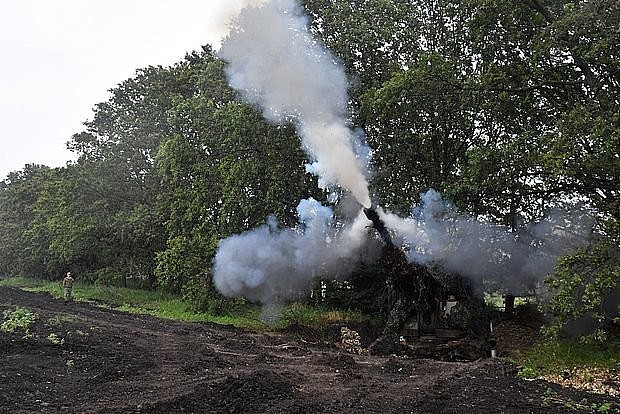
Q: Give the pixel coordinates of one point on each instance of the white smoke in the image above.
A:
(271, 265)
(436, 233)
(222, 14)
(275, 63)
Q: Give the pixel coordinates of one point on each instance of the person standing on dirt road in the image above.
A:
(67, 284)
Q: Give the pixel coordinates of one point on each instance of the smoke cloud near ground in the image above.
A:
(274, 63)
(436, 233)
(272, 265)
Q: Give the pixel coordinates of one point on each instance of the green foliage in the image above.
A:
(506, 107)
(18, 319)
(301, 314)
(420, 127)
(152, 302)
(223, 170)
(487, 112)
(58, 320)
(370, 37)
(55, 340)
(201, 293)
(584, 285)
(554, 356)
(528, 373)
(21, 253)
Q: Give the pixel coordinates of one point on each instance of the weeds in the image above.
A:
(55, 340)
(550, 398)
(149, 302)
(554, 356)
(305, 315)
(20, 318)
(58, 320)
(574, 363)
(528, 373)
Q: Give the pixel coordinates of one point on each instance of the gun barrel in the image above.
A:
(378, 224)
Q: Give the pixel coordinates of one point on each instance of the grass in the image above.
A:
(578, 364)
(58, 320)
(312, 316)
(555, 356)
(18, 319)
(169, 306)
(155, 303)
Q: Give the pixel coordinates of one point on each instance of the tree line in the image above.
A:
(505, 107)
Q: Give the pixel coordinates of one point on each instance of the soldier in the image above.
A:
(67, 284)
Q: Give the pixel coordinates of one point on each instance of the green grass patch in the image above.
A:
(34, 285)
(165, 305)
(300, 314)
(554, 356)
(58, 320)
(155, 303)
(55, 339)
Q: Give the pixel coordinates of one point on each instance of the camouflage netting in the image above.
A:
(415, 295)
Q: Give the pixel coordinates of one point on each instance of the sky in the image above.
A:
(59, 58)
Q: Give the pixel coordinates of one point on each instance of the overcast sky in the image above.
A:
(59, 58)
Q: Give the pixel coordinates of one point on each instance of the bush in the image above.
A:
(20, 318)
(200, 292)
(585, 290)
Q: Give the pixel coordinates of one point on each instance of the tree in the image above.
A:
(372, 38)
(420, 126)
(224, 170)
(19, 255)
(115, 177)
(531, 92)
(585, 289)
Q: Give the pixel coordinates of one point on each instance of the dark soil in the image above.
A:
(114, 362)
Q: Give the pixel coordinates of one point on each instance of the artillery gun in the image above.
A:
(432, 313)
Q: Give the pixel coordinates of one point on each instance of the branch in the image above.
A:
(579, 61)
(535, 5)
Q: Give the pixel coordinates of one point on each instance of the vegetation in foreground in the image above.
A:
(549, 356)
(171, 306)
(589, 365)
(557, 356)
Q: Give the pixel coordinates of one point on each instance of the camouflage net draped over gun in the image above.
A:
(411, 289)
(414, 293)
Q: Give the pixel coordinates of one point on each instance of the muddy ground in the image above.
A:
(104, 361)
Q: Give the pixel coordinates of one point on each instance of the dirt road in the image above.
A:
(103, 361)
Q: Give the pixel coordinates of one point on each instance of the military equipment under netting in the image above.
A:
(432, 312)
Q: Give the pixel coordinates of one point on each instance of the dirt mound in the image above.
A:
(242, 392)
(79, 358)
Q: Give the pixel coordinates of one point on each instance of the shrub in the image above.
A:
(20, 318)
(585, 290)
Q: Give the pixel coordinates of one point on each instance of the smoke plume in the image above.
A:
(275, 63)
(436, 233)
